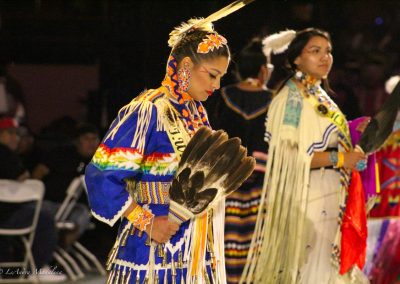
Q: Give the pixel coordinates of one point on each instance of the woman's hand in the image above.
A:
(351, 159)
(162, 229)
(361, 127)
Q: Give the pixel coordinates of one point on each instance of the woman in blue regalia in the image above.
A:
(131, 172)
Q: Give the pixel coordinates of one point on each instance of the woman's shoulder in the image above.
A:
(288, 90)
(150, 96)
(288, 104)
(147, 101)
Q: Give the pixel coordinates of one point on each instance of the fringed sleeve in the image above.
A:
(119, 157)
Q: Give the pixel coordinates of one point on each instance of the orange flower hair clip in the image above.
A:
(210, 42)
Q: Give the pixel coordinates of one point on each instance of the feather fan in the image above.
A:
(212, 166)
(381, 125)
(391, 83)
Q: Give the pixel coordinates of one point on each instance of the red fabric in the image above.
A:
(354, 227)
(7, 122)
(388, 203)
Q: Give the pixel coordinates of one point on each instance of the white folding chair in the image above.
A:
(77, 256)
(20, 192)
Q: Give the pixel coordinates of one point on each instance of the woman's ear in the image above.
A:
(187, 61)
(297, 61)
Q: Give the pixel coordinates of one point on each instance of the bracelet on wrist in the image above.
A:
(140, 218)
(336, 158)
(333, 158)
(340, 162)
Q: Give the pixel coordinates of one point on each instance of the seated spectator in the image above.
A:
(12, 216)
(61, 166)
(28, 150)
(11, 166)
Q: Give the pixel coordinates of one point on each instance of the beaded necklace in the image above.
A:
(312, 86)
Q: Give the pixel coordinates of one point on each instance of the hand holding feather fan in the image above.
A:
(212, 166)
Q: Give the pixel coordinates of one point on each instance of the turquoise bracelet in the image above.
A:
(333, 158)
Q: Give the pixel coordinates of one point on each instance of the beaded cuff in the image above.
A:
(140, 218)
(178, 213)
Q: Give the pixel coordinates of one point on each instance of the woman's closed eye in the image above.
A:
(212, 76)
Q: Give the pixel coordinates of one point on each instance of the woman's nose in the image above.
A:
(217, 85)
(325, 57)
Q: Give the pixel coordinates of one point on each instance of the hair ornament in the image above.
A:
(179, 32)
(210, 42)
(204, 24)
(278, 43)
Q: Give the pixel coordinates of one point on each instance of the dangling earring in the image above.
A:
(299, 75)
(184, 75)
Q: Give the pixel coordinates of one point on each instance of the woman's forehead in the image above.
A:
(318, 41)
(216, 61)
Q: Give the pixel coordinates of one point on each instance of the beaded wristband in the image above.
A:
(340, 162)
(140, 218)
(337, 159)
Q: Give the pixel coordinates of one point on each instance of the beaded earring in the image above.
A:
(184, 75)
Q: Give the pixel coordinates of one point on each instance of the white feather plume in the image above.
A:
(227, 10)
(205, 24)
(179, 32)
(391, 83)
(278, 42)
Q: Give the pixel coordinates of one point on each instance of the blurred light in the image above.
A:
(378, 21)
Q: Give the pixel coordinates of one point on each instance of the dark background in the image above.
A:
(127, 40)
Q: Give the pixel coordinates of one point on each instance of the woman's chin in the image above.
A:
(200, 98)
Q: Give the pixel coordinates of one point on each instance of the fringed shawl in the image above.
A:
(294, 132)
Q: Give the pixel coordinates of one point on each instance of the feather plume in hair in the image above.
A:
(227, 10)
(179, 32)
(204, 24)
(212, 166)
(278, 42)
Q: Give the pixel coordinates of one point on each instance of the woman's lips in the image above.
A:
(209, 92)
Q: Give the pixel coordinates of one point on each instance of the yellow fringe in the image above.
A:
(199, 247)
(377, 179)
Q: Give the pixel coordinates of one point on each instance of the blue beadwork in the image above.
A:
(333, 157)
(361, 165)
